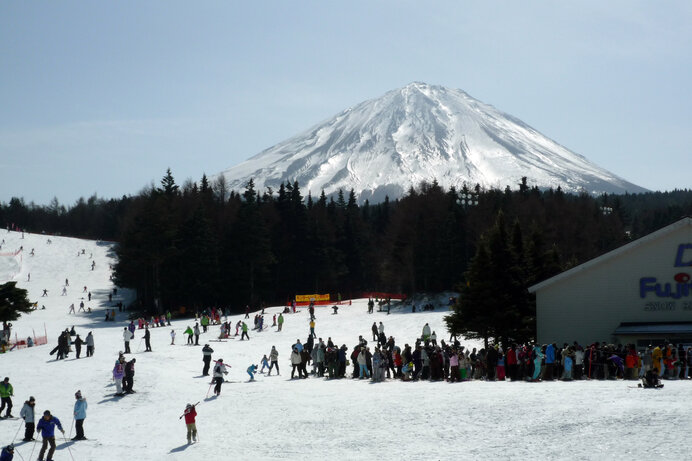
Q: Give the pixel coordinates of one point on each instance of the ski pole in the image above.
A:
(71, 426)
(209, 390)
(34, 447)
(68, 446)
(140, 344)
(17, 433)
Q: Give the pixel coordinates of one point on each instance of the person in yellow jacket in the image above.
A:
(656, 357)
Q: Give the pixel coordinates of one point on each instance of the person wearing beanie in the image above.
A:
(7, 453)
(190, 414)
(47, 428)
(6, 393)
(80, 407)
(27, 414)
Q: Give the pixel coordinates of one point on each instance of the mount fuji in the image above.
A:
(422, 132)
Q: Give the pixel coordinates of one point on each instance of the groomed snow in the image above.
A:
(276, 418)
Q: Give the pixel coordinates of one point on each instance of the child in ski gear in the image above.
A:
(80, 407)
(129, 376)
(172, 337)
(251, 371)
(6, 393)
(219, 371)
(27, 414)
(265, 363)
(118, 374)
(190, 414)
(47, 428)
(7, 453)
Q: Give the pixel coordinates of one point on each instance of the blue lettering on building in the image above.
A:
(681, 253)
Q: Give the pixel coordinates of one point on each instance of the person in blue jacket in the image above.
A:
(47, 428)
(7, 453)
(80, 407)
(251, 370)
(549, 362)
(537, 362)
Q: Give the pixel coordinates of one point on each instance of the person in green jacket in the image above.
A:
(281, 321)
(168, 318)
(189, 334)
(244, 335)
(6, 393)
(205, 323)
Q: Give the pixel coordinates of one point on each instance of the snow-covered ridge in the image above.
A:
(420, 133)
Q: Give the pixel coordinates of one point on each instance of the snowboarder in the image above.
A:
(251, 370)
(206, 358)
(219, 371)
(80, 407)
(47, 428)
(27, 414)
(127, 336)
(190, 414)
(6, 393)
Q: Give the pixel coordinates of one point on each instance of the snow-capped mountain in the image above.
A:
(420, 133)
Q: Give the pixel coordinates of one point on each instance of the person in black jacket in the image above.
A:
(147, 338)
(129, 377)
(206, 358)
(78, 345)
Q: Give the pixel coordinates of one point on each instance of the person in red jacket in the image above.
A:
(190, 415)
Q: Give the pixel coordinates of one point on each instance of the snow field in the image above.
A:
(278, 418)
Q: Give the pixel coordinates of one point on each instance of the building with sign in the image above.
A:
(640, 293)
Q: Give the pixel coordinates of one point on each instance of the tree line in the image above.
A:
(200, 244)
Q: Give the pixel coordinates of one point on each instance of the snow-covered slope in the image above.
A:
(276, 418)
(422, 133)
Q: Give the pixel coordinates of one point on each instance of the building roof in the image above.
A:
(684, 222)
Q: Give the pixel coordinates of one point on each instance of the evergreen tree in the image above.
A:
(13, 302)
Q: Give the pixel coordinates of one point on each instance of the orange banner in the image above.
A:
(308, 298)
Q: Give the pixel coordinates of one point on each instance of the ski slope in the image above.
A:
(277, 418)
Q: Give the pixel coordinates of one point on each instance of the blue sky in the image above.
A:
(102, 97)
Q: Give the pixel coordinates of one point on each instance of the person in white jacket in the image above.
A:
(27, 414)
(127, 336)
(219, 372)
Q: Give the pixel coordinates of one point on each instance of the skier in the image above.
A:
(219, 371)
(27, 414)
(251, 370)
(6, 393)
(265, 363)
(80, 407)
(190, 414)
(118, 374)
(7, 453)
(78, 345)
(374, 331)
(312, 329)
(274, 359)
(147, 338)
(127, 336)
(188, 331)
(426, 332)
(281, 321)
(244, 335)
(206, 358)
(90, 345)
(129, 376)
(196, 331)
(47, 427)
(71, 311)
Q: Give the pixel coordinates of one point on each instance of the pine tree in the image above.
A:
(13, 302)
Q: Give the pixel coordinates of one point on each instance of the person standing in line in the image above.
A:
(90, 345)
(78, 345)
(47, 428)
(196, 331)
(190, 414)
(219, 371)
(147, 338)
(127, 336)
(6, 393)
(80, 407)
(206, 358)
(273, 361)
(27, 414)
